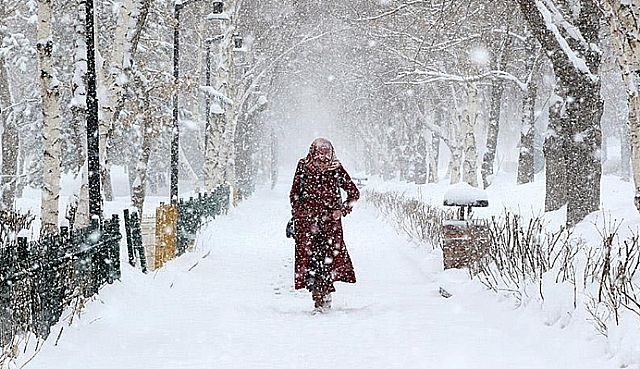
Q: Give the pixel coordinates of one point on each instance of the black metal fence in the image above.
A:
(193, 213)
(38, 279)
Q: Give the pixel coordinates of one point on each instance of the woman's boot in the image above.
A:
(318, 299)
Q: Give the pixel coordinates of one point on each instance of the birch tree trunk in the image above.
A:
(138, 193)
(10, 142)
(49, 91)
(625, 153)
(497, 89)
(493, 128)
(434, 157)
(455, 162)
(79, 113)
(221, 166)
(421, 159)
(434, 152)
(623, 20)
(213, 165)
(470, 164)
(114, 82)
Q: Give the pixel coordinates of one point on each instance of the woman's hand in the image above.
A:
(346, 208)
(337, 214)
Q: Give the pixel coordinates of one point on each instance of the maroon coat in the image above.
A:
(312, 215)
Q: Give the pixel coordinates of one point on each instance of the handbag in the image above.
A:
(291, 231)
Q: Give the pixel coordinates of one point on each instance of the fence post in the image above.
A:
(127, 229)
(136, 239)
(166, 224)
(113, 247)
(181, 227)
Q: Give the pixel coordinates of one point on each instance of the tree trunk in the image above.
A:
(525, 159)
(576, 66)
(555, 159)
(492, 132)
(434, 153)
(114, 83)
(625, 153)
(138, 193)
(497, 89)
(434, 157)
(455, 164)
(82, 213)
(622, 20)
(79, 113)
(21, 171)
(213, 165)
(49, 90)
(10, 142)
(421, 159)
(470, 164)
(584, 166)
(10, 145)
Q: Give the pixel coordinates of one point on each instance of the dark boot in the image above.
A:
(318, 299)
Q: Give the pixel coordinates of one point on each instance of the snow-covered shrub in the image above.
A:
(521, 252)
(420, 221)
(611, 272)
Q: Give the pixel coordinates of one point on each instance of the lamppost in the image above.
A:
(218, 7)
(93, 136)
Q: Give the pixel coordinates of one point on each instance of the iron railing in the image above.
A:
(39, 279)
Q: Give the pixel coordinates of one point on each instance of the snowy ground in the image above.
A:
(230, 304)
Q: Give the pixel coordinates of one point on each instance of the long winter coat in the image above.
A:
(314, 196)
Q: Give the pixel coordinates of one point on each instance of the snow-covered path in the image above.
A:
(236, 308)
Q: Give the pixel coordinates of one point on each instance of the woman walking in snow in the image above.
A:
(317, 207)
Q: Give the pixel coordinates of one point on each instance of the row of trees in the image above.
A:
(408, 81)
(44, 129)
(416, 76)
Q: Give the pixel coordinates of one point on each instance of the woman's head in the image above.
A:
(321, 153)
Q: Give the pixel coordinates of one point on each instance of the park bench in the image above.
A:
(465, 239)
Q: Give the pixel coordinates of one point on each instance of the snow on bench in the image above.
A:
(463, 194)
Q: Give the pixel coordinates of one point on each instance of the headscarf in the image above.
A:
(321, 150)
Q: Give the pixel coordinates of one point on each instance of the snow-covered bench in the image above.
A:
(464, 239)
(465, 196)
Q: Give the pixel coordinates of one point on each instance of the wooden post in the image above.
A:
(166, 219)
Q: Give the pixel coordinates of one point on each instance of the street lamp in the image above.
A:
(93, 135)
(218, 7)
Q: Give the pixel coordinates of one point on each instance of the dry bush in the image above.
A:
(11, 223)
(520, 252)
(614, 267)
(420, 221)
